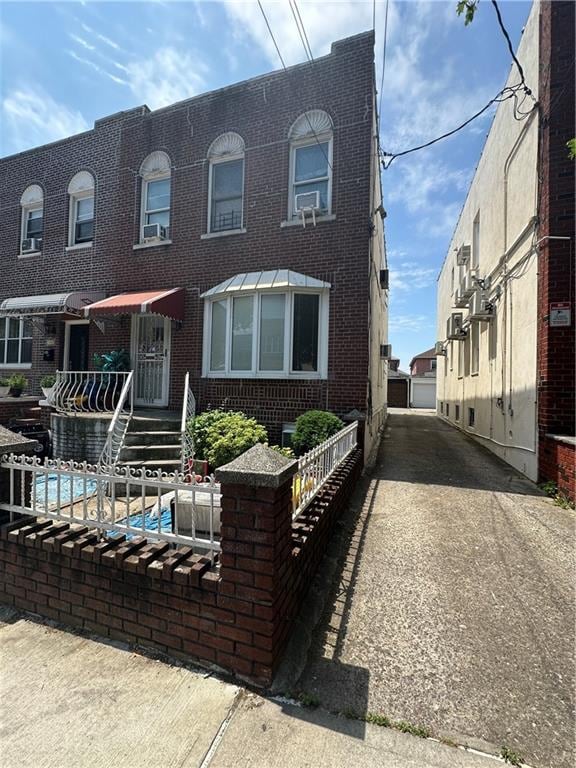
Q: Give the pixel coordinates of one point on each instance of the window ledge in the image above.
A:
(225, 233)
(29, 254)
(298, 222)
(159, 244)
(312, 376)
(15, 366)
(79, 246)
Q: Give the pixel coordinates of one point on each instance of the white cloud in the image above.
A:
(165, 77)
(410, 323)
(411, 276)
(82, 42)
(33, 117)
(102, 38)
(97, 68)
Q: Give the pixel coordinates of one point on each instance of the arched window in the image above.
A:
(81, 217)
(32, 220)
(226, 184)
(311, 164)
(155, 205)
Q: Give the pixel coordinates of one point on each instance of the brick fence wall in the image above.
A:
(557, 459)
(235, 613)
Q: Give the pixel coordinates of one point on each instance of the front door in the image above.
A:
(76, 346)
(151, 354)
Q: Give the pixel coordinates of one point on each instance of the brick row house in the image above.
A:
(506, 289)
(237, 236)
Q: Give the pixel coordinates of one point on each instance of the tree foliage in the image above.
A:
(468, 8)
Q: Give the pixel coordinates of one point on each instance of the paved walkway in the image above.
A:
(453, 599)
(71, 702)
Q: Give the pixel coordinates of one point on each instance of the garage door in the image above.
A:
(398, 393)
(423, 395)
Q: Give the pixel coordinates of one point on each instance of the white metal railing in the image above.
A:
(316, 466)
(133, 502)
(87, 391)
(119, 424)
(188, 412)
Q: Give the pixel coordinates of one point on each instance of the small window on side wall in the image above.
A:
(32, 220)
(310, 164)
(226, 184)
(81, 192)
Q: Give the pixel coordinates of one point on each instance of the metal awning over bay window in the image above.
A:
(167, 303)
(69, 303)
(270, 324)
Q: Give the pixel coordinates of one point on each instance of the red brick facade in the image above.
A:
(236, 616)
(261, 111)
(556, 267)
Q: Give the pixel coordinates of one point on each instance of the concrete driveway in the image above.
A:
(452, 601)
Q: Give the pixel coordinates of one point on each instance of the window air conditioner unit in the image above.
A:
(463, 255)
(481, 308)
(468, 286)
(384, 278)
(459, 299)
(385, 351)
(31, 244)
(153, 232)
(454, 329)
(307, 202)
(439, 348)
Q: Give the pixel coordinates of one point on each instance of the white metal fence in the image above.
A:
(119, 424)
(156, 505)
(316, 466)
(87, 391)
(188, 412)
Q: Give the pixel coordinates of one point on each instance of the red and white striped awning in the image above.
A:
(168, 303)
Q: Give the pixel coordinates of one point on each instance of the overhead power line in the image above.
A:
(295, 4)
(510, 46)
(271, 35)
(383, 59)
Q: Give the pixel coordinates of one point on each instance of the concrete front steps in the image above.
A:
(152, 441)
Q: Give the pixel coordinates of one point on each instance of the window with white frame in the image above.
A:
(226, 183)
(476, 242)
(474, 348)
(32, 219)
(156, 192)
(15, 342)
(267, 334)
(311, 163)
(81, 193)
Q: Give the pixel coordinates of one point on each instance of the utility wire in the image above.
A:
(510, 46)
(497, 98)
(285, 68)
(271, 35)
(304, 29)
(383, 59)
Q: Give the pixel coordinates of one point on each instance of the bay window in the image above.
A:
(15, 342)
(267, 334)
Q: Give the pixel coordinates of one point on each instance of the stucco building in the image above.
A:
(237, 235)
(506, 289)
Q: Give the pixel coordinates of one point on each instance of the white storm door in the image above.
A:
(151, 345)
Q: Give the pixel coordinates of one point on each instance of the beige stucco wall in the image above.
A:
(503, 192)
(378, 317)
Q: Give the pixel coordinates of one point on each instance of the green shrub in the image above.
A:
(4, 382)
(18, 382)
(115, 360)
(221, 436)
(48, 381)
(312, 428)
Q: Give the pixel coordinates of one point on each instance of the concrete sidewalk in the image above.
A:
(72, 702)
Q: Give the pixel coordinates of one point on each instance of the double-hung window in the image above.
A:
(81, 192)
(32, 203)
(267, 334)
(311, 164)
(15, 342)
(156, 196)
(226, 184)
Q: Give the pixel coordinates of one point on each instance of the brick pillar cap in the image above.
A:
(13, 442)
(258, 467)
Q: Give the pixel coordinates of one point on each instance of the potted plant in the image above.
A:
(47, 385)
(18, 384)
(115, 361)
(4, 387)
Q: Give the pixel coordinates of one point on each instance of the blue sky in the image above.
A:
(63, 65)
